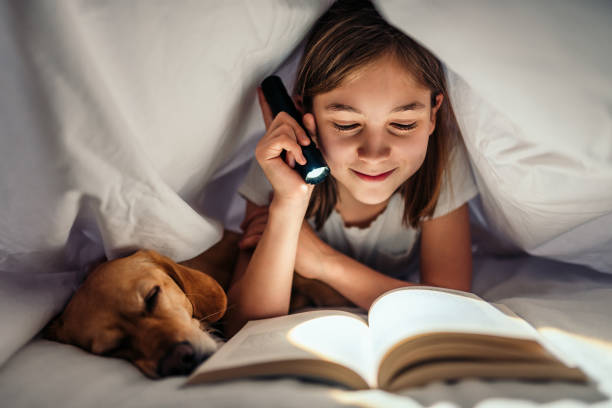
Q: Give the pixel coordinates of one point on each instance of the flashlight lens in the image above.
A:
(316, 173)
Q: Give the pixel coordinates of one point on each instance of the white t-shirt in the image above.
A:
(386, 245)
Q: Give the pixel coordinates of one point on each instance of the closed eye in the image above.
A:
(400, 126)
(346, 127)
(151, 299)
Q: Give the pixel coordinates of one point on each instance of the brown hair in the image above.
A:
(350, 35)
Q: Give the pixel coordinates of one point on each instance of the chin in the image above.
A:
(371, 197)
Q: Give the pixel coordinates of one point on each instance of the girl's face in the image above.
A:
(373, 130)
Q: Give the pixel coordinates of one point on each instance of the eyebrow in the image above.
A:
(403, 108)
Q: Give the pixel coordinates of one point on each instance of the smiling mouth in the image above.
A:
(373, 177)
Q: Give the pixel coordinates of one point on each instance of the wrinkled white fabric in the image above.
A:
(114, 116)
(532, 91)
(126, 125)
(569, 304)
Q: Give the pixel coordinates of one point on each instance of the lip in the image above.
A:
(376, 177)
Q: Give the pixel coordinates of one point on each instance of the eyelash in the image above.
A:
(409, 126)
(345, 128)
(398, 126)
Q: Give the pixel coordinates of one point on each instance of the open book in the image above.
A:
(410, 337)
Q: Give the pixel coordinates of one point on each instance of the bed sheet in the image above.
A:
(569, 305)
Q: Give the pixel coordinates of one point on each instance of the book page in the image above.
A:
(332, 335)
(411, 311)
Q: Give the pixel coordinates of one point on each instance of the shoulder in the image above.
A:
(458, 185)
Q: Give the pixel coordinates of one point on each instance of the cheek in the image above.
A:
(337, 152)
(177, 304)
(413, 151)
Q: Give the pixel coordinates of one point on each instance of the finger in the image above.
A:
(244, 245)
(254, 228)
(290, 160)
(257, 226)
(249, 237)
(282, 119)
(249, 242)
(282, 138)
(300, 133)
(254, 215)
(266, 112)
(256, 210)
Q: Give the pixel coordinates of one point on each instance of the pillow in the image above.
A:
(533, 103)
(117, 115)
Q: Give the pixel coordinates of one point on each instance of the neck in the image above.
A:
(354, 213)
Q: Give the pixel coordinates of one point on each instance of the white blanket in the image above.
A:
(129, 125)
(569, 304)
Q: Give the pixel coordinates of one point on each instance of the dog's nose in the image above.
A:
(180, 360)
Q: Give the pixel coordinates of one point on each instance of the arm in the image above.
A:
(446, 261)
(446, 266)
(446, 253)
(233, 320)
(262, 284)
(357, 282)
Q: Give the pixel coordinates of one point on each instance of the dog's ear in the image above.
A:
(54, 329)
(205, 294)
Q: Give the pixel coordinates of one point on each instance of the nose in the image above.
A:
(181, 359)
(374, 147)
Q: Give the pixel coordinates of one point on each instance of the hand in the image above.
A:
(283, 133)
(253, 225)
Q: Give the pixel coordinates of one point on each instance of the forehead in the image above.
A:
(124, 271)
(385, 69)
(119, 284)
(380, 84)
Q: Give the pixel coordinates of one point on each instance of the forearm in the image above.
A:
(233, 321)
(354, 280)
(446, 251)
(264, 288)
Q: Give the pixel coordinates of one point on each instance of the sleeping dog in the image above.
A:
(156, 313)
(149, 310)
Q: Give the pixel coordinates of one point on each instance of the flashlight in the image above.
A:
(315, 170)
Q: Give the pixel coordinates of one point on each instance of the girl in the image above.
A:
(374, 103)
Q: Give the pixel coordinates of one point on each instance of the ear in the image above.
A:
(205, 294)
(434, 111)
(311, 127)
(299, 103)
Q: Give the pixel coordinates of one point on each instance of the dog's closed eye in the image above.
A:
(151, 299)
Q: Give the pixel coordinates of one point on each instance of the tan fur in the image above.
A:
(108, 314)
